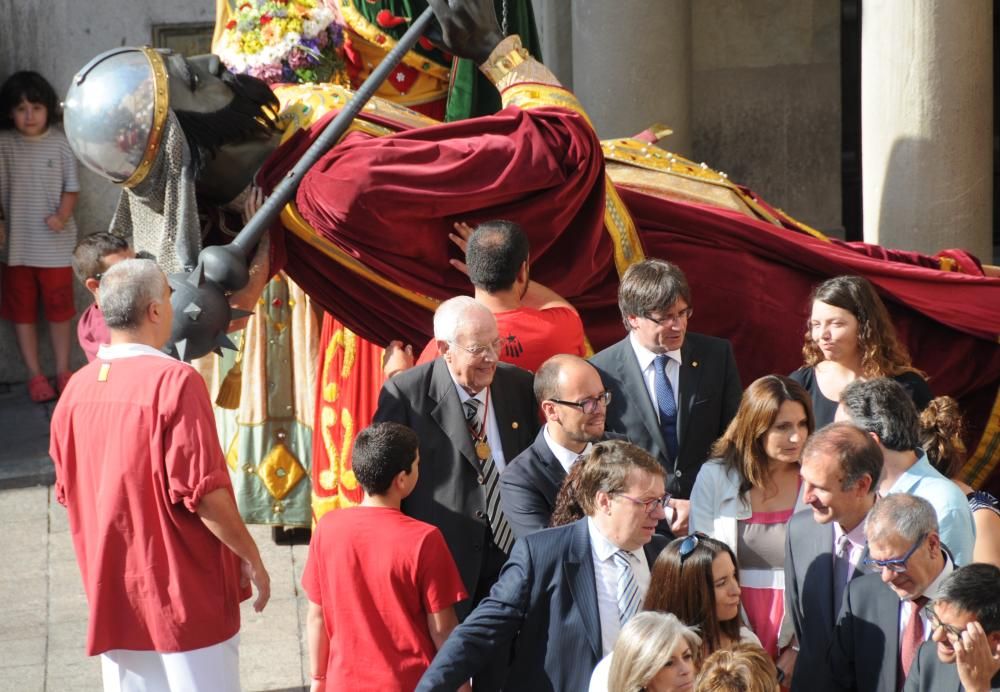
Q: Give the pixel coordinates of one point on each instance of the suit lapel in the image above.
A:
(579, 567)
(818, 551)
(509, 420)
(448, 412)
(635, 386)
(887, 619)
(550, 466)
(690, 375)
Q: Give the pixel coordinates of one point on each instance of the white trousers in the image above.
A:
(213, 668)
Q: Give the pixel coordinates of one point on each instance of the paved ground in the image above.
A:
(43, 616)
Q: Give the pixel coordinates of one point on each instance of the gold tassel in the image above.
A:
(229, 391)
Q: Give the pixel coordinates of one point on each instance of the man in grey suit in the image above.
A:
(565, 592)
(472, 414)
(574, 403)
(674, 391)
(883, 620)
(824, 546)
(965, 653)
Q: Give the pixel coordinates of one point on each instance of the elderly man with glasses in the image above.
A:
(965, 626)
(575, 404)
(472, 414)
(883, 620)
(675, 391)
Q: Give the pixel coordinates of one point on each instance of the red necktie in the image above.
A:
(913, 637)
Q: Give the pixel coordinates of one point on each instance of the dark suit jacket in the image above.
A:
(449, 494)
(529, 486)
(809, 597)
(542, 614)
(709, 395)
(864, 653)
(929, 674)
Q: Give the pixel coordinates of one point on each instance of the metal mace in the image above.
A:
(201, 309)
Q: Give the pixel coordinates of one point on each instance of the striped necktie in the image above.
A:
(666, 404)
(490, 480)
(627, 589)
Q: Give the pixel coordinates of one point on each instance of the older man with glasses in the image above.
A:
(472, 415)
(883, 620)
(965, 622)
(575, 405)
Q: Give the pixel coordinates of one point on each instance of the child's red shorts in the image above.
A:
(22, 286)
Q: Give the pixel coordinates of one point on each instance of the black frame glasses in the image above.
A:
(649, 505)
(588, 405)
(934, 621)
(895, 565)
(681, 316)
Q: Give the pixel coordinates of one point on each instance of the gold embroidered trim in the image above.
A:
(378, 38)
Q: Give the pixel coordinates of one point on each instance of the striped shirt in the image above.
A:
(34, 172)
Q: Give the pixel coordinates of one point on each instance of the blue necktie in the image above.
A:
(627, 588)
(666, 404)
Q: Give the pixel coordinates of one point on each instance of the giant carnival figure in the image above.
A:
(367, 233)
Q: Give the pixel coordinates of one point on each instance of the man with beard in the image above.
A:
(575, 403)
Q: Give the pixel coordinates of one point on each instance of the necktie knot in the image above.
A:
(471, 409)
(661, 361)
(843, 545)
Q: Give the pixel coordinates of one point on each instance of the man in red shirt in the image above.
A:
(164, 555)
(381, 585)
(534, 321)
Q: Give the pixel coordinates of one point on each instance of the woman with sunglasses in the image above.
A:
(746, 494)
(655, 652)
(696, 578)
(851, 336)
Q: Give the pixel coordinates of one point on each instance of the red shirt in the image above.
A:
(134, 454)
(378, 573)
(91, 331)
(531, 336)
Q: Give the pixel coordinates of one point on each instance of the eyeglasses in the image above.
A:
(952, 631)
(479, 350)
(649, 505)
(679, 317)
(688, 545)
(895, 565)
(588, 405)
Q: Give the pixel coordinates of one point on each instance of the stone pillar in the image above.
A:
(555, 32)
(632, 66)
(926, 124)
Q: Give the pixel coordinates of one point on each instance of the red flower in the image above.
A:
(231, 24)
(265, 19)
(388, 20)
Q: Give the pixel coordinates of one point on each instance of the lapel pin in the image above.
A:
(514, 425)
(694, 364)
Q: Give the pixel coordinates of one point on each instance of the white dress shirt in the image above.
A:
(565, 457)
(492, 428)
(647, 366)
(606, 573)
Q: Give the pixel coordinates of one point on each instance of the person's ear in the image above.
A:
(92, 285)
(442, 346)
(633, 321)
(550, 411)
(603, 502)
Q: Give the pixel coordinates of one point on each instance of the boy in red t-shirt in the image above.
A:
(382, 586)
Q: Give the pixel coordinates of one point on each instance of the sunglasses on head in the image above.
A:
(688, 545)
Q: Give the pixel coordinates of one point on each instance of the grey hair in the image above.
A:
(883, 407)
(644, 646)
(127, 289)
(901, 514)
(450, 314)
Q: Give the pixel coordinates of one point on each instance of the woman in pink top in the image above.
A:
(746, 494)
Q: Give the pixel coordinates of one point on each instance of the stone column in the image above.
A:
(926, 124)
(632, 66)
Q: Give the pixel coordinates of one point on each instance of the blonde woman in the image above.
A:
(654, 652)
(744, 668)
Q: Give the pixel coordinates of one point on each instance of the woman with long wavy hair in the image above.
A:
(850, 336)
(746, 493)
(655, 652)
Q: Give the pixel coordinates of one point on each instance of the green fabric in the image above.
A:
(470, 93)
